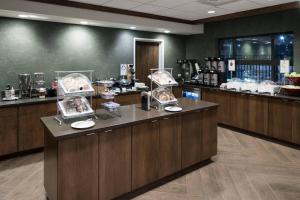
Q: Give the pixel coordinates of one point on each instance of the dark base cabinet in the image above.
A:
(273, 117)
(8, 131)
(114, 163)
(280, 119)
(117, 161)
(31, 133)
(145, 152)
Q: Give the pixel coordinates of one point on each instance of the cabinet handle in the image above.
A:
(107, 131)
(90, 134)
(251, 95)
(166, 118)
(198, 111)
(243, 94)
(154, 121)
(297, 102)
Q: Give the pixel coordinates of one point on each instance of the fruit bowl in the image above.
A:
(291, 90)
(295, 80)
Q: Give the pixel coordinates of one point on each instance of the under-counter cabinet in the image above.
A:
(223, 99)
(78, 164)
(296, 122)
(209, 134)
(239, 110)
(8, 130)
(169, 145)
(258, 114)
(280, 119)
(191, 138)
(145, 152)
(114, 163)
(31, 132)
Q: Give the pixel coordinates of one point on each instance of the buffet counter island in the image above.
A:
(124, 154)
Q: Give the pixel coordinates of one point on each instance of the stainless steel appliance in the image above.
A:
(38, 86)
(186, 70)
(25, 85)
(145, 101)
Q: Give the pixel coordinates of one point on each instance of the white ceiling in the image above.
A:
(186, 9)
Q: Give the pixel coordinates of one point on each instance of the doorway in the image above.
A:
(148, 54)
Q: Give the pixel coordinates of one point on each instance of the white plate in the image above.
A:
(83, 124)
(173, 109)
(10, 99)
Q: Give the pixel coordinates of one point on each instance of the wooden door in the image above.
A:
(258, 114)
(239, 110)
(145, 152)
(296, 122)
(31, 132)
(280, 119)
(115, 163)
(78, 164)
(191, 138)
(8, 130)
(169, 146)
(147, 56)
(209, 134)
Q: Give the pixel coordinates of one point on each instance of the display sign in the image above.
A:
(285, 66)
(231, 65)
(123, 69)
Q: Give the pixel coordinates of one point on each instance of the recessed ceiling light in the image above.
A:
(23, 16)
(211, 12)
(84, 23)
(167, 31)
(132, 27)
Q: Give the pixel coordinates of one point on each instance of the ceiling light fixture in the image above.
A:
(211, 12)
(84, 23)
(132, 27)
(167, 31)
(23, 16)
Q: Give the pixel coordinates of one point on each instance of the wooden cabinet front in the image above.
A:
(31, 132)
(191, 138)
(169, 146)
(145, 152)
(8, 130)
(128, 99)
(78, 172)
(239, 110)
(296, 123)
(280, 119)
(115, 163)
(258, 114)
(209, 134)
(223, 99)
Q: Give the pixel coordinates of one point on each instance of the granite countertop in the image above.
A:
(30, 101)
(278, 96)
(130, 115)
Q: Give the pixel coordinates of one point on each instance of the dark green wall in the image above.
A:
(205, 45)
(32, 46)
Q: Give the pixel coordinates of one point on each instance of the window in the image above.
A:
(258, 57)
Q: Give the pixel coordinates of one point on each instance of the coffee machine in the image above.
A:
(25, 85)
(206, 72)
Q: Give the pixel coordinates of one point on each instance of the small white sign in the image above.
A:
(123, 69)
(284, 66)
(231, 65)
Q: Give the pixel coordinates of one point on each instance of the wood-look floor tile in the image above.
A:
(245, 168)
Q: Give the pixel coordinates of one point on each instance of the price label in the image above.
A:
(284, 66)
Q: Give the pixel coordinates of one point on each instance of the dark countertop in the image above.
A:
(30, 101)
(277, 96)
(130, 115)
